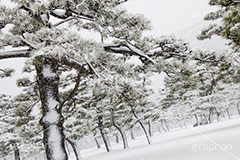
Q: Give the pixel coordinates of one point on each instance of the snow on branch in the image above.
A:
(23, 53)
(32, 46)
(159, 53)
(92, 68)
(127, 50)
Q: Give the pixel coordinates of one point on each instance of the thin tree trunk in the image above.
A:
(132, 135)
(195, 115)
(95, 139)
(238, 109)
(104, 137)
(97, 143)
(142, 126)
(159, 130)
(228, 113)
(167, 125)
(180, 124)
(205, 117)
(117, 138)
(218, 114)
(210, 116)
(16, 151)
(125, 144)
(108, 140)
(52, 119)
(150, 128)
(75, 149)
(162, 124)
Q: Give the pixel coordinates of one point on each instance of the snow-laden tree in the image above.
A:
(48, 33)
(228, 13)
(20, 130)
(212, 76)
(51, 46)
(28, 115)
(198, 83)
(9, 138)
(24, 110)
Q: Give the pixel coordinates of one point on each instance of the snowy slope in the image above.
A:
(218, 141)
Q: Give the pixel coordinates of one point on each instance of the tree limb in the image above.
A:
(73, 92)
(127, 50)
(24, 53)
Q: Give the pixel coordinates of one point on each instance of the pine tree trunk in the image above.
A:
(142, 126)
(52, 119)
(195, 115)
(238, 109)
(210, 116)
(159, 130)
(167, 126)
(104, 137)
(75, 149)
(205, 117)
(150, 128)
(162, 124)
(125, 144)
(97, 143)
(16, 151)
(132, 135)
(117, 138)
(228, 113)
(95, 139)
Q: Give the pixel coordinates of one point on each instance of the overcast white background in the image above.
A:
(184, 18)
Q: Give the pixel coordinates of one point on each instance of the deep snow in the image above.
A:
(217, 141)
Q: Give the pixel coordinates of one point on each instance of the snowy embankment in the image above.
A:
(217, 141)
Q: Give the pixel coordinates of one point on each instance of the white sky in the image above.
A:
(170, 16)
(181, 17)
(184, 18)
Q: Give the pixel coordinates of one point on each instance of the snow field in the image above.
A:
(217, 141)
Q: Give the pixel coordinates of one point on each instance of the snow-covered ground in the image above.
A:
(217, 141)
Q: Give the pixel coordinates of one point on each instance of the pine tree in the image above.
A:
(228, 13)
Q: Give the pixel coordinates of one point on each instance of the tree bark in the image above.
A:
(150, 128)
(132, 135)
(117, 138)
(125, 143)
(142, 126)
(205, 117)
(52, 119)
(101, 129)
(165, 129)
(195, 115)
(210, 115)
(228, 113)
(75, 149)
(97, 143)
(95, 139)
